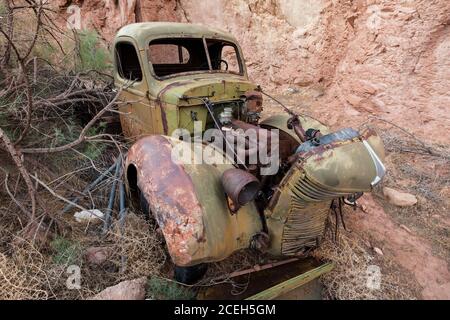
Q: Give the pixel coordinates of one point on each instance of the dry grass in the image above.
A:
(24, 275)
(219, 272)
(141, 245)
(36, 270)
(353, 262)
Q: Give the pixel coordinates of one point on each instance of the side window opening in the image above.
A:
(229, 55)
(127, 62)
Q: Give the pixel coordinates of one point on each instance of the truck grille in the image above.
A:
(307, 217)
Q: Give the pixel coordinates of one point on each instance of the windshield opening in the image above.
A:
(180, 55)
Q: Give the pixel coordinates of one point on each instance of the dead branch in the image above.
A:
(18, 160)
(9, 31)
(21, 207)
(26, 83)
(81, 138)
(53, 193)
(8, 35)
(428, 149)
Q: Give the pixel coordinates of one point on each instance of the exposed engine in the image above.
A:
(317, 171)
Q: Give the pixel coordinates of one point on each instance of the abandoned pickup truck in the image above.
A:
(178, 80)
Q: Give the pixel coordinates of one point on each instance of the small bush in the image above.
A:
(91, 54)
(163, 289)
(66, 251)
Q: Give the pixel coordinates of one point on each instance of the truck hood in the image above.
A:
(217, 87)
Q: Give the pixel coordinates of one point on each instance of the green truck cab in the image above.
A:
(180, 81)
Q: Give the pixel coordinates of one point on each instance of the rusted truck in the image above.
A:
(178, 80)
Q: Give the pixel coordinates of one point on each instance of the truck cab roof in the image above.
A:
(144, 32)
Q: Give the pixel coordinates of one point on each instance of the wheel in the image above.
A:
(190, 275)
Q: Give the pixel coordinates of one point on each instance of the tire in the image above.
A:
(190, 275)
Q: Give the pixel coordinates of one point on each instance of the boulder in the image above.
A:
(125, 290)
(398, 198)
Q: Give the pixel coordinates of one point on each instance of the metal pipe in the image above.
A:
(122, 215)
(112, 196)
(122, 208)
(89, 187)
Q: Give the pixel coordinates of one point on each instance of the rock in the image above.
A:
(378, 251)
(421, 200)
(317, 93)
(91, 216)
(398, 198)
(97, 255)
(365, 87)
(125, 290)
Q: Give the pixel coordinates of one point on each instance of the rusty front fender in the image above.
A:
(188, 202)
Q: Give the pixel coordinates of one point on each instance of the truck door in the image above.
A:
(137, 111)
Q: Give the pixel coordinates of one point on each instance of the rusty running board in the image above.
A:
(296, 280)
(292, 284)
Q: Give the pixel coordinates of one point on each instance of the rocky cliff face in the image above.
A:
(384, 57)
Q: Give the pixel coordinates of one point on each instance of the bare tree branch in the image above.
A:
(81, 138)
(17, 158)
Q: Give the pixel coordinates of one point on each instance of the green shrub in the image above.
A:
(92, 54)
(163, 289)
(93, 150)
(66, 251)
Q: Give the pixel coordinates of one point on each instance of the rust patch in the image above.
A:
(301, 157)
(163, 117)
(254, 101)
(161, 102)
(171, 196)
